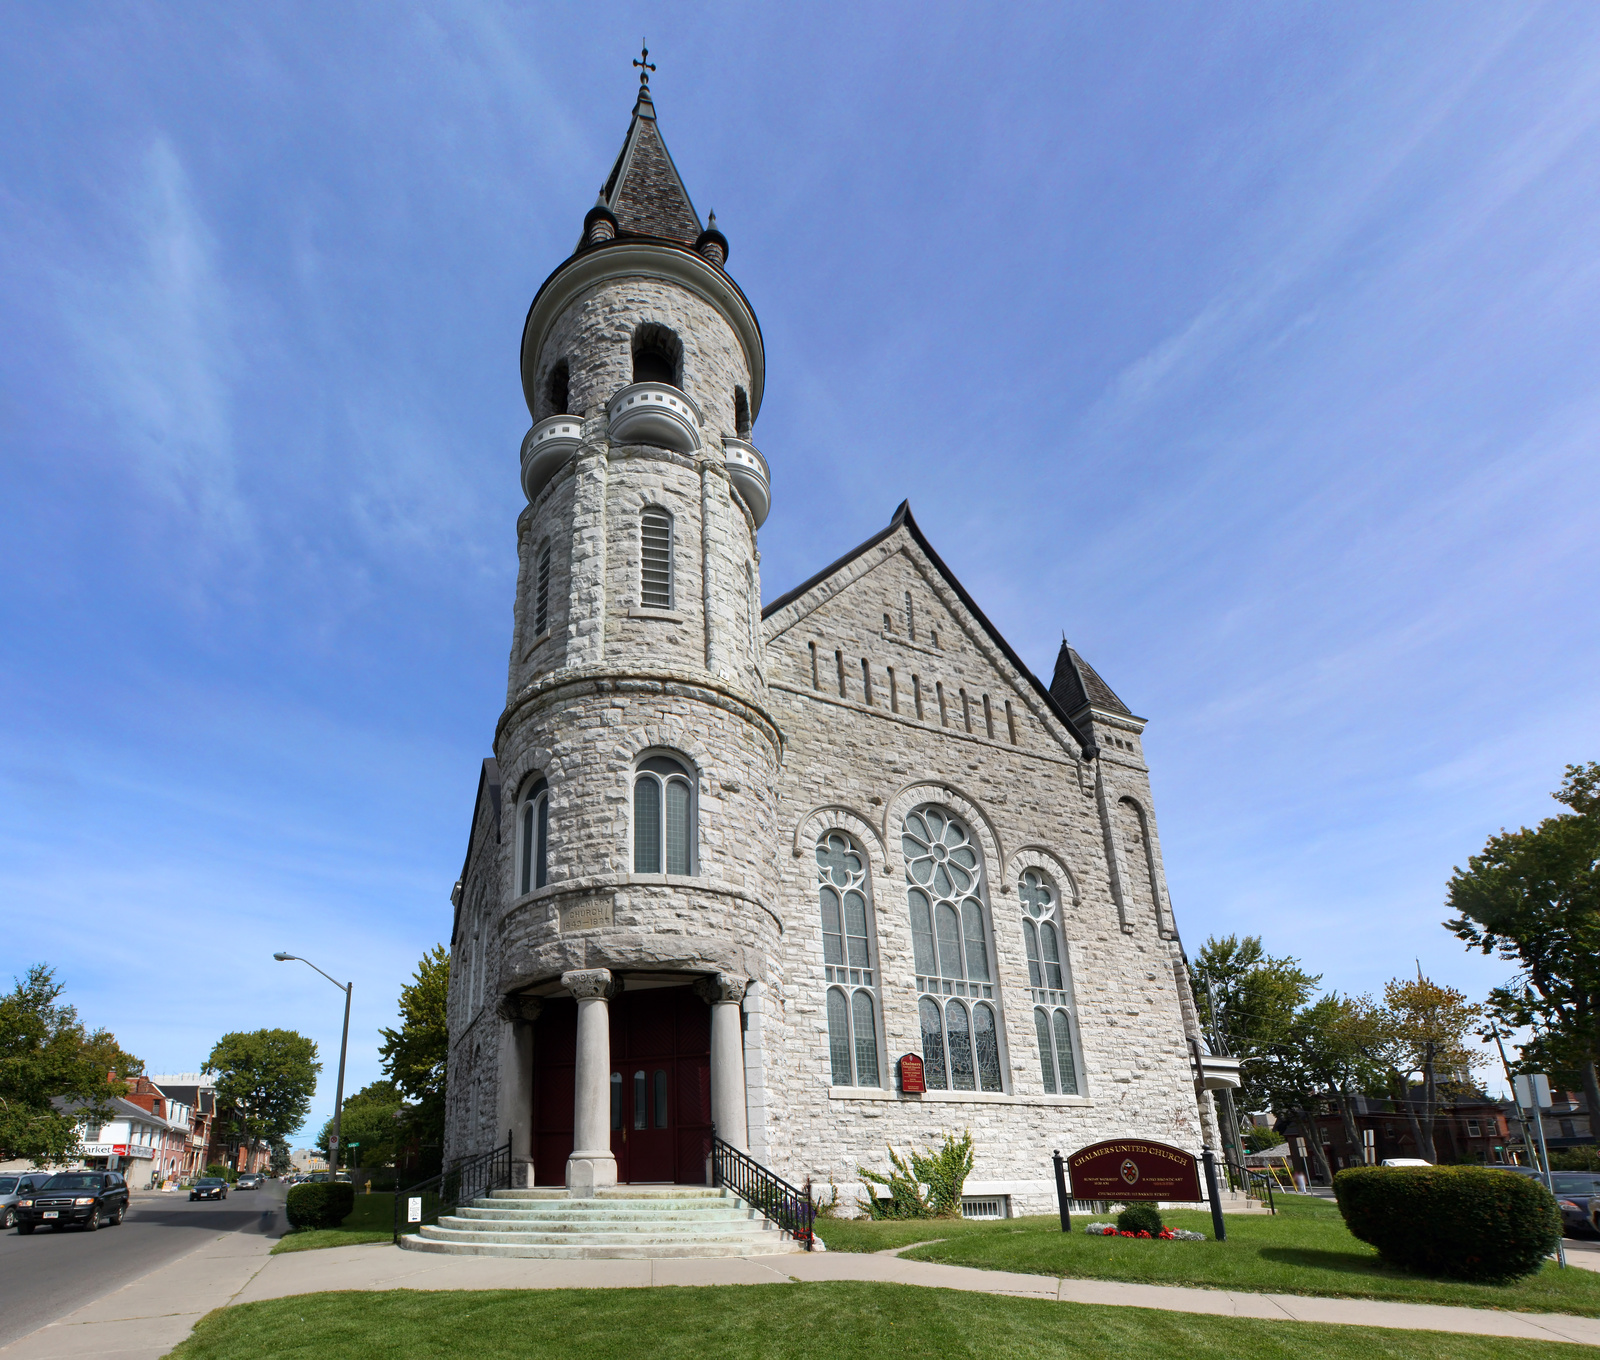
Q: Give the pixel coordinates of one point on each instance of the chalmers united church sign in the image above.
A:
(1134, 1168)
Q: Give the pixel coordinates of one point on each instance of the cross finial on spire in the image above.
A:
(644, 64)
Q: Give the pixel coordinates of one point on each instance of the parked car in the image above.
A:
(14, 1186)
(208, 1187)
(1404, 1161)
(87, 1198)
(249, 1181)
(1577, 1196)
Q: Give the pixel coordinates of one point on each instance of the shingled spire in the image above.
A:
(645, 193)
(1076, 685)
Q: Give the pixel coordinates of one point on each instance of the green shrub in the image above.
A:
(1139, 1218)
(321, 1204)
(944, 1173)
(1575, 1159)
(1464, 1222)
(222, 1172)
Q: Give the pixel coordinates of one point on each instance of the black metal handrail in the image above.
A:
(469, 1179)
(769, 1194)
(1256, 1184)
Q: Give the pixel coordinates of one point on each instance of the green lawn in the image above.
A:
(309, 1239)
(784, 1322)
(1305, 1249)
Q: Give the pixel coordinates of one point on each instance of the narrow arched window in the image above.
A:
(663, 817)
(657, 355)
(950, 951)
(560, 389)
(1049, 983)
(533, 849)
(541, 604)
(655, 559)
(847, 964)
(741, 413)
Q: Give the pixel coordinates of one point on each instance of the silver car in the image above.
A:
(13, 1186)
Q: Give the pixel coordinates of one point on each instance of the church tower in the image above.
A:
(619, 897)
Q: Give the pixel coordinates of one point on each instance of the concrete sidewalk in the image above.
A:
(147, 1318)
(385, 1267)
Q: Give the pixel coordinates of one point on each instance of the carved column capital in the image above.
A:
(721, 987)
(586, 983)
(520, 1008)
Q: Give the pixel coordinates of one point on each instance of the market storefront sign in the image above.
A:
(1134, 1168)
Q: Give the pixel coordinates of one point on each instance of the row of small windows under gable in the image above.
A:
(957, 1001)
(971, 711)
(665, 823)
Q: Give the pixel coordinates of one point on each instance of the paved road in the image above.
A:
(47, 1275)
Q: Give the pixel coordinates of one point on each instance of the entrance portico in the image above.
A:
(628, 1076)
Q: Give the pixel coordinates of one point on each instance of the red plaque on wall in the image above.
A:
(1133, 1168)
(911, 1079)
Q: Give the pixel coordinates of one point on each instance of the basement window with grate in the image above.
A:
(655, 557)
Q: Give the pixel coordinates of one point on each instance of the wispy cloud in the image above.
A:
(156, 331)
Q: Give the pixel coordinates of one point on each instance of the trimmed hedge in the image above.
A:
(321, 1204)
(1139, 1218)
(1464, 1222)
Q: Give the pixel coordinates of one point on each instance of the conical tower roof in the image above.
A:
(644, 192)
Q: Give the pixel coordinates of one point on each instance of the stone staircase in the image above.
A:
(626, 1221)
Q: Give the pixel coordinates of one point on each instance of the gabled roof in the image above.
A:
(1076, 684)
(903, 520)
(645, 191)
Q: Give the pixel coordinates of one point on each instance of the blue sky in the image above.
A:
(1254, 347)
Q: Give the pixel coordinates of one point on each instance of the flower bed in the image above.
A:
(1165, 1235)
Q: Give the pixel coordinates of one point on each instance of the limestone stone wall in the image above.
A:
(595, 338)
(586, 735)
(854, 763)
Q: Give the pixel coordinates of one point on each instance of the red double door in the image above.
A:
(660, 1087)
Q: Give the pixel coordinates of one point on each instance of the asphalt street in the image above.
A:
(47, 1275)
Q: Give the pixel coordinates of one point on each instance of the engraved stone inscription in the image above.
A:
(586, 915)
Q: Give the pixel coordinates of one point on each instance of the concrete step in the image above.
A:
(578, 1237)
(774, 1246)
(491, 1209)
(634, 1222)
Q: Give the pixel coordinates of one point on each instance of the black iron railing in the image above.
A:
(770, 1195)
(469, 1179)
(1254, 1184)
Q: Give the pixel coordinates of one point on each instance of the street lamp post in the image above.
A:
(338, 1099)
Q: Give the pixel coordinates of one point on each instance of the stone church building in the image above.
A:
(729, 865)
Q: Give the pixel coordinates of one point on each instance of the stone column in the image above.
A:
(516, 1083)
(591, 1166)
(725, 992)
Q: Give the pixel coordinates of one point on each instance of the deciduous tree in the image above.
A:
(265, 1080)
(1532, 898)
(414, 1056)
(46, 1053)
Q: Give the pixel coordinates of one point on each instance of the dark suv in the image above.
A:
(87, 1198)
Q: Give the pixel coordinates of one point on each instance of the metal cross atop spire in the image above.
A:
(644, 64)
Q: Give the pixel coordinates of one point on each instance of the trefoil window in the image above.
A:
(1049, 984)
(847, 961)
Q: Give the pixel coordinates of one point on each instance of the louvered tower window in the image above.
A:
(541, 610)
(655, 585)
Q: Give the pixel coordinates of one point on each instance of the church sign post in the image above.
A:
(1126, 1169)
